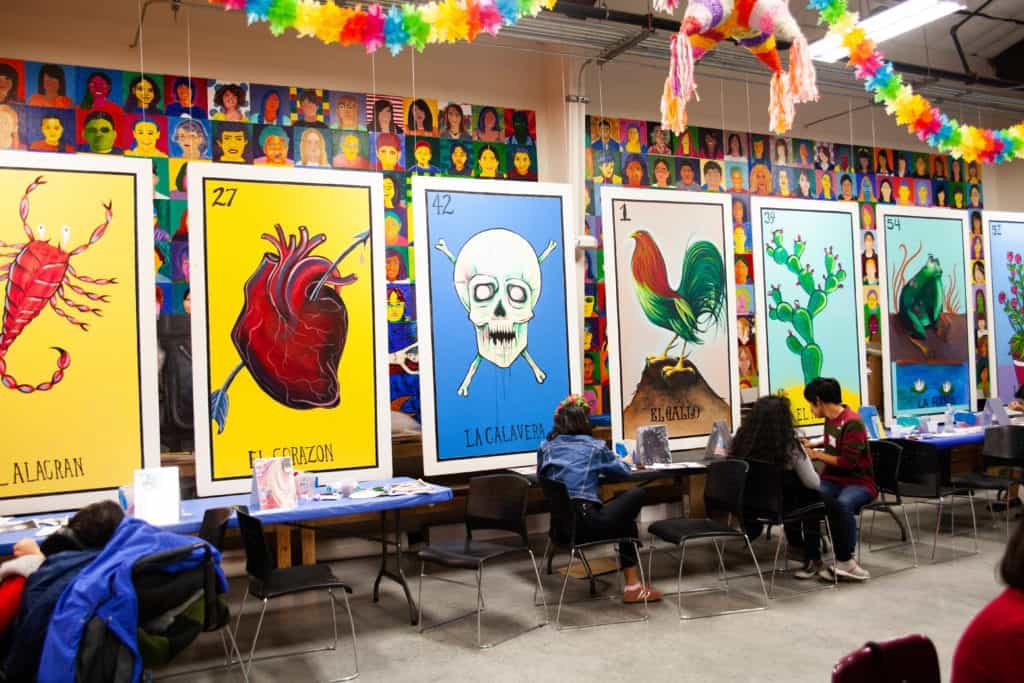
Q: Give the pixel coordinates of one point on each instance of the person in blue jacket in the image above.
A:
(68, 551)
(573, 457)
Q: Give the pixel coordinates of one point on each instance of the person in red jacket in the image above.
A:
(13, 573)
(989, 650)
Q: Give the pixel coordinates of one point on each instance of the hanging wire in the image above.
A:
(849, 107)
(750, 124)
(188, 49)
(412, 63)
(373, 74)
(142, 63)
(873, 144)
(721, 92)
(600, 99)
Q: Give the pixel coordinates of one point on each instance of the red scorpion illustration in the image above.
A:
(36, 276)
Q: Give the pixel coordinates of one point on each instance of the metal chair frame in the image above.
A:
(480, 605)
(478, 518)
(722, 574)
(261, 556)
(226, 636)
(888, 485)
(562, 512)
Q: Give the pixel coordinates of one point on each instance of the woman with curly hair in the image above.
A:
(572, 456)
(230, 99)
(768, 434)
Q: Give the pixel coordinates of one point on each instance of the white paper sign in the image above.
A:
(158, 495)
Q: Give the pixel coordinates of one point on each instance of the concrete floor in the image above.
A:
(797, 639)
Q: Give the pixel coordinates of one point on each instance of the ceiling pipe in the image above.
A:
(956, 39)
(575, 11)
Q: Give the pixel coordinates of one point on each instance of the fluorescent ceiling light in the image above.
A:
(902, 18)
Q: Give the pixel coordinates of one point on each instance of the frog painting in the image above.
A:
(928, 336)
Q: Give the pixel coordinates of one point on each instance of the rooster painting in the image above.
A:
(691, 309)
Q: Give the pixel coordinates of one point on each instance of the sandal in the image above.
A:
(640, 594)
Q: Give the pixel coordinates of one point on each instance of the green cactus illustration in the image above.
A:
(801, 318)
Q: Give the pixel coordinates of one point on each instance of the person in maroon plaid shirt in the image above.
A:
(848, 478)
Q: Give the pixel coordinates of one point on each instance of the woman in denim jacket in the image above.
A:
(574, 457)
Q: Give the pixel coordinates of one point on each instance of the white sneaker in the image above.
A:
(852, 571)
(809, 570)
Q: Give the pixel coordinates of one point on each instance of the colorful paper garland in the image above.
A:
(920, 117)
(395, 27)
(449, 21)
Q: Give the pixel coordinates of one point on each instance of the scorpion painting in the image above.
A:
(1005, 234)
(36, 276)
(73, 321)
(672, 343)
(293, 321)
(927, 341)
(494, 311)
(809, 270)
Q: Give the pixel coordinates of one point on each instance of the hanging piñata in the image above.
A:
(754, 24)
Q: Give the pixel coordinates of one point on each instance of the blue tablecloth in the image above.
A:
(951, 440)
(192, 510)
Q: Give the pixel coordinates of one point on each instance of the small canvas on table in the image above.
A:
(273, 484)
(157, 495)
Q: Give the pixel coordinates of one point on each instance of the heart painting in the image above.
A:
(291, 331)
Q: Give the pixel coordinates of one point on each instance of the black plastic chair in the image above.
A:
(562, 533)
(214, 526)
(267, 583)
(994, 454)
(924, 476)
(723, 495)
(495, 502)
(763, 502)
(887, 458)
(148, 572)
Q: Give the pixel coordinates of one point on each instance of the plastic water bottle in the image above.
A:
(948, 419)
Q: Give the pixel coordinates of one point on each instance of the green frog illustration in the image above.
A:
(921, 303)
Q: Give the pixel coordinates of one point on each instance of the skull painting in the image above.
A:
(498, 281)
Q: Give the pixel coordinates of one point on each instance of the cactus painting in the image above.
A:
(802, 318)
(809, 304)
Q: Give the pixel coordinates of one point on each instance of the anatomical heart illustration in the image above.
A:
(288, 323)
(292, 328)
(494, 315)
(78, 354)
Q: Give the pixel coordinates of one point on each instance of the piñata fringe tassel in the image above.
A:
(665, 5)
(802, 77)
(680, 85)
(781, 106)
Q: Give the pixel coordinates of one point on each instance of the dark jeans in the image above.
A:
(843, 503)
(614, 519)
